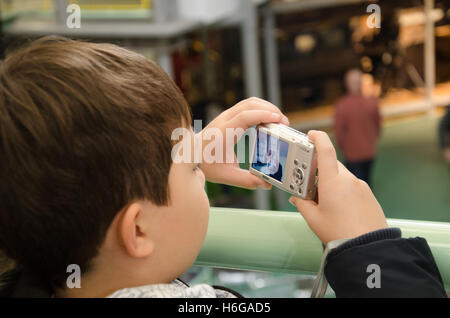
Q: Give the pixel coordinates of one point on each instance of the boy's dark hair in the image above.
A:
(84, 129)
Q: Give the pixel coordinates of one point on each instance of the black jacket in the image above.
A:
(406, 267)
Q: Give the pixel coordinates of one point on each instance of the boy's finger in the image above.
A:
(256, 104)
(326, 154)
(249, 118)
(307, 208)
(341, 167)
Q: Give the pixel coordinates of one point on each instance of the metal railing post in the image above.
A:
(429, 54)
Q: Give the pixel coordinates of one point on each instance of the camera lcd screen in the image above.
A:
(270, 156)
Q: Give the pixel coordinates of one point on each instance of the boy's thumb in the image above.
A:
(307, 208)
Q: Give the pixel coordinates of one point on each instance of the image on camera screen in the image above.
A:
(270, 156)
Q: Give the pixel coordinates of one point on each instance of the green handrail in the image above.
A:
(282, 242)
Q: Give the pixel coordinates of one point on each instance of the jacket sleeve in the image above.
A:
(382, 264)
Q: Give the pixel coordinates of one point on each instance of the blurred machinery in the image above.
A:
(316, 48)
(316, 42)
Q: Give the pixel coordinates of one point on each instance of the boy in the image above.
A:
(87, 176)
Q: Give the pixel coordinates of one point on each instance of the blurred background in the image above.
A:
(294, 54)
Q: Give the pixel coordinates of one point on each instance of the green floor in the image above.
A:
(410, 178)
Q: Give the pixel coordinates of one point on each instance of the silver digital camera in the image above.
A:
(286, 158)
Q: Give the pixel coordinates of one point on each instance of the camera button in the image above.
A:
(304, 166)
(299, 176)
(296, 162)
(292, 187)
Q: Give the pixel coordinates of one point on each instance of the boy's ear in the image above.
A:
(134, 232)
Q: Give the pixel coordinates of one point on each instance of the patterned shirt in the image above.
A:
(176, 289)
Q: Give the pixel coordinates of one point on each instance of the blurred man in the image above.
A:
(444, 135)
(357, 127)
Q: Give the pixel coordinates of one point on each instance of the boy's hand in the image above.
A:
(249, 112)
(347, 207)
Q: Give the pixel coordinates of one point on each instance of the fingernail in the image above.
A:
(291, 201)
(276, 116)
(286, 120)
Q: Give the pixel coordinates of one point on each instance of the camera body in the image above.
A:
(285, 158)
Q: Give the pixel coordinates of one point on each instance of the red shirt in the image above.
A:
(357, 127)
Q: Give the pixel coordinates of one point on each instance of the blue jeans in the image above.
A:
(361, 169)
